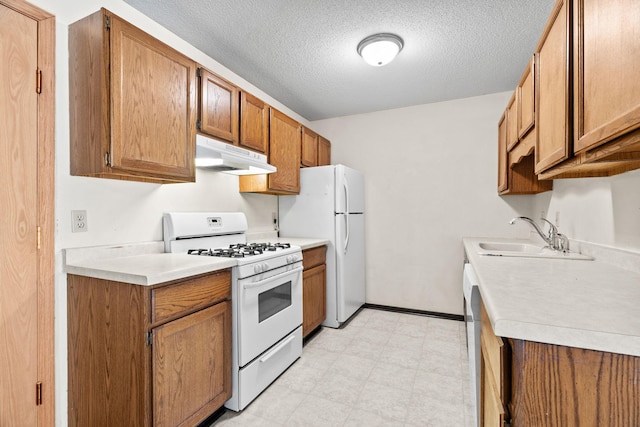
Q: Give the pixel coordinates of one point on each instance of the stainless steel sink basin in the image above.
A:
(514, 249)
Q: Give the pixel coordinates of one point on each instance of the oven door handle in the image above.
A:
(270, 279)
(277, 349)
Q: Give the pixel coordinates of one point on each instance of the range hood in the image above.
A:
(220, 156)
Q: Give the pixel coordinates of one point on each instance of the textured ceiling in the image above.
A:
(303, 52)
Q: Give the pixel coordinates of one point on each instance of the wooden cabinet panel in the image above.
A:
(191, 357)
(553, 125)
(313, 257)
(133, 103)
(254, 123)
(219, 107)
(564, 386)
(324, 151)
(309, 156)
(284, 152)
(314, 299)
(174, 300)
(512, 121)
(502, 154)
(606, 62)
(526, 100)
(118, 376)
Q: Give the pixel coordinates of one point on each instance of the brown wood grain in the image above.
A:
(27, 169)
(314, 256)
(503, 183)
(512, 121)
(133, 97)
(553, 89)
(219, 107)
(324, 151)
(526, 100)
(309, 151)
(191, 366)
(284, 152)
(565, 386)
(179, 299)
(254, 123)
(314, 298)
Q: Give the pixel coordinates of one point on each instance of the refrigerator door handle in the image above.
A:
(346, 238)
(346, 195)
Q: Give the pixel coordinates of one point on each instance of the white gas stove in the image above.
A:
(266, 295)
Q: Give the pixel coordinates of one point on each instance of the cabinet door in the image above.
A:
(606, 63)
(324, 151)
(153, 99)
(309, 156)
(284, 152)
(553, 120)
(219, 108)
(192, 366)
(314, 299)
(526, 100)
(512, 121)
(502, 154)
(254, 123)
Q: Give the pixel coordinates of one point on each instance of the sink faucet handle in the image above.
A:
(553, 230)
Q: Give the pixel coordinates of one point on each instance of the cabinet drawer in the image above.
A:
(173, 300)
(313, 257)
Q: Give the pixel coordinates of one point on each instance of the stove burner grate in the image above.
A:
(240, 250)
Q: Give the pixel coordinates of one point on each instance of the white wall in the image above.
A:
(123, 211)
(431, 178)
(597, 210)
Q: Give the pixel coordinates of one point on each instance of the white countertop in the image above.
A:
(146, 264)
(575, 303)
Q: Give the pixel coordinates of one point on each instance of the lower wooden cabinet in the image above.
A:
(148, 355)
(532, 384)
(314, 296)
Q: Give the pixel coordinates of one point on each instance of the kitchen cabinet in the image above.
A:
(148, 355)
(512, 121)
(503, 158)
(219, 107)
(494, 375)
(314, 296)
(254, 123)
(526, 100)
(309, 156)
(324, 151)
(132, 103)
(530, 384)
(588, 111)
(284, 153)
(553, 90)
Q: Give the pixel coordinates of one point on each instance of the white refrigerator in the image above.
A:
(331, 206)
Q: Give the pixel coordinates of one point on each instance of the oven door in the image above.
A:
(269, 308)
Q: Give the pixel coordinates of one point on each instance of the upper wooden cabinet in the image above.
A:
(254, 123)
(219, 107)
(285, 136)
(309, 156)
(324, 151)
(526, 100)
(512, 121)
(132, 103)
(553, 125)
(589, 106)
(502, 154)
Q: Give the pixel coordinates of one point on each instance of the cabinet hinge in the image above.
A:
(38, 393)
(38, 234)
(149, 338)
(199, 72)
(107, 22)
(107, 159)
(38, 80)
(198, 124)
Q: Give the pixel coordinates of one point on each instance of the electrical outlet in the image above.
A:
(274, 219)
(557, 219)
(79, 221)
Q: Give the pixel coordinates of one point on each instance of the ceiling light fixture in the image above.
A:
(380, 49)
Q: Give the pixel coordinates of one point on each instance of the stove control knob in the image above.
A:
(257, 268)
(265, 266)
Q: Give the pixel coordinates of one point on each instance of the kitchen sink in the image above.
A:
(530, 250)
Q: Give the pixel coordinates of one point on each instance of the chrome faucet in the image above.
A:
(555, 240)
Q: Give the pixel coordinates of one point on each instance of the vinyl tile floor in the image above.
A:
(382, 369)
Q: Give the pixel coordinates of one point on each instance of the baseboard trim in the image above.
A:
(448, 316)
